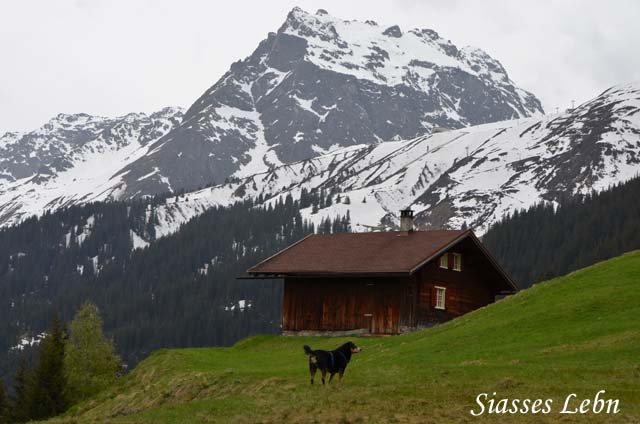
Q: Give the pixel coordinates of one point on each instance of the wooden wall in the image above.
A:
(341, 304)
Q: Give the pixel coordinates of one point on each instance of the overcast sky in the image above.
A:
(115, 57)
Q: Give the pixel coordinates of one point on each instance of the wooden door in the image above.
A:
(364, 307)
(386, 309)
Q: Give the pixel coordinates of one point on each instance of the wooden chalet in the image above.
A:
(383, 282)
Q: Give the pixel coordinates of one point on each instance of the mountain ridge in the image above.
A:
(72, 159)
(316, 85)
(467, 177)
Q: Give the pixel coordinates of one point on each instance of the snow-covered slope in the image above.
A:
(470, 176)
(391, 57)
(73, 159)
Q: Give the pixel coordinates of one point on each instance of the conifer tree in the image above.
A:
(21, 403)
(4, 407)
(48, 390)
(90, 361)
(304, 199)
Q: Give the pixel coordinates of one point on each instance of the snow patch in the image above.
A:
(137, 241)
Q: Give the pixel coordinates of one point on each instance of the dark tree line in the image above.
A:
(181, 291)
(544, 242)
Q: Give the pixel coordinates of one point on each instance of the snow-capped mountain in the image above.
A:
(73, 159)
(469, 176)
(316, 85)
(320, 83)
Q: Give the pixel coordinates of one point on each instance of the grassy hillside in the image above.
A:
(578, 333)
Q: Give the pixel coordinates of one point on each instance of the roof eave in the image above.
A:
(352, 274)
(254, 268)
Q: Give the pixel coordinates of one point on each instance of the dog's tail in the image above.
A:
(307, 350)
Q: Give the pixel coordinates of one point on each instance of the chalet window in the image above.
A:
(444, 261)
(457, 262)
(440, 297)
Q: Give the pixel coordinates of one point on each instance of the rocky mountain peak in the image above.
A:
(393, 31)
(318, 84)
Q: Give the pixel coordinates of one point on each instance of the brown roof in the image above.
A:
(356, 253)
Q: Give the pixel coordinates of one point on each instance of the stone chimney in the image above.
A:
(406, 221)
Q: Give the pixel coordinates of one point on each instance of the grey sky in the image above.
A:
(115, 57)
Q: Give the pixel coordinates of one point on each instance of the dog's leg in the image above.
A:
(312, 370)
(324, 373)
(331, 376)
(340, 374)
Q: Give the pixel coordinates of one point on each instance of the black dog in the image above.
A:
(332, 362)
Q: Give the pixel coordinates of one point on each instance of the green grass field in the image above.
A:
(576, 334)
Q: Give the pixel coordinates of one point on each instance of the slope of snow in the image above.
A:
(388, 55)
(472, 176)
(89, 180)
(137, 241)
(346, 47)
